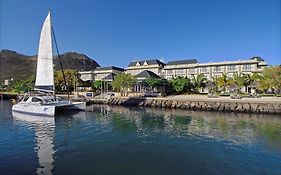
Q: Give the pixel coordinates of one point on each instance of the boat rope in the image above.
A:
(64, 79)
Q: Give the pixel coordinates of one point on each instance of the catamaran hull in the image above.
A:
(47, 110)
(43, 110)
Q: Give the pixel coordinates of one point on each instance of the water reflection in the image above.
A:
(44, 128)
(235, 128)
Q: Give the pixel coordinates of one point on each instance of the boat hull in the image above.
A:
(44, 110)
(47, 110)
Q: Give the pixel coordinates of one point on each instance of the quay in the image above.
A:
(266, 105)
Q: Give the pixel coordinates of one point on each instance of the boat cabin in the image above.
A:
(40, 99)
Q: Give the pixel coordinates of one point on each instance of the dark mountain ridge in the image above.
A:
(16, 65)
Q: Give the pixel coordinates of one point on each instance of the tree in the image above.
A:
(123, 82)
(104, 85)
(72, 77)
(162, 85)
(180, 84)
(198, 82)
(238, 79)
(97, 85)
(271, 79)
(223, 82)
(24, 85)
(250, 78)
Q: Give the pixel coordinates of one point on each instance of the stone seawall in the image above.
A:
(225, 106)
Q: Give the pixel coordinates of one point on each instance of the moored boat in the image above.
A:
(44, 101)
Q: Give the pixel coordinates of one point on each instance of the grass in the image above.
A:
(9, 92)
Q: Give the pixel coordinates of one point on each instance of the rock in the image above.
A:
(240, 108)
(247, 107)
(163, 104)
(174, 103)
(141, 103)
(209, 107)
(192, 105)
(254, 107)
(227, 107)
(168, 104)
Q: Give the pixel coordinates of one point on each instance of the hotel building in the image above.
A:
(154, 65)
(183, 68)
(100, 73)
(188, 68)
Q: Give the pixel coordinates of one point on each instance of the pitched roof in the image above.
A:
(190, 61)
(258, 58)
(149, 62)
(147, 74)
(254, 84)
(110, 68)
(109, 76)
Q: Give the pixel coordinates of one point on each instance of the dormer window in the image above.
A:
(145, 63)
(138, 64)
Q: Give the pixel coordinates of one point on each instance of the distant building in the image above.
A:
(140, 86)
(182, 68)
(101, 73)
(7, 81)
(110, 77)
(188, 68)
(87, 75)
(153, 65)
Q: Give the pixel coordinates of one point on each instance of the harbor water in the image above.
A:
(119, 140)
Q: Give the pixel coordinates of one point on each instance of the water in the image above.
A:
(118, 140)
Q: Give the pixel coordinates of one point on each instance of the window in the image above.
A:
(169, 72)
(217, 75)
(217, 69)
(247, 67)
(230, 75)
(25, 99)
(180, 71)
(145, 63)
(35, 99)
(191, 77)
(203, 69)
(192, 70)
(231, 68)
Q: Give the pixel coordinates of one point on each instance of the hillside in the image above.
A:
(16, 65)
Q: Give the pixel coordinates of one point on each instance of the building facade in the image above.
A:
(87, 75)
(188, 68)
(184, 68)
(100, 73)
(153, 65)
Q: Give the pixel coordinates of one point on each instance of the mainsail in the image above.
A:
(45, 69)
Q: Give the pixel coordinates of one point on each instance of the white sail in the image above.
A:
(45, 70)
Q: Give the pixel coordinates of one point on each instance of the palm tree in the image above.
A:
(198, 82)
(161, 85)
(250, 78)
(238, 79)
(271, 79)
(222, 82)
(180, 84)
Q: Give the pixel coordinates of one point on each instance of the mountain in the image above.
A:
(16, 65)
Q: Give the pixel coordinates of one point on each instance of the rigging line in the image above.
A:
(64, 79)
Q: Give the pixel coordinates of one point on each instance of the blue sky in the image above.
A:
(115, 32)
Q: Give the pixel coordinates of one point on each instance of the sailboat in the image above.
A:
(45, 101)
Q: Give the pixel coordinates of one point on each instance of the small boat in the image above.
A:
(45, 101)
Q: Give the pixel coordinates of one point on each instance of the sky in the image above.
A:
(115, 32)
